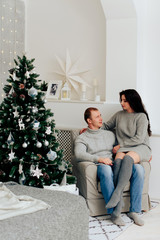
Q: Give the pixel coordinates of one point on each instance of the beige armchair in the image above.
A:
(86, 174)
(89, 187)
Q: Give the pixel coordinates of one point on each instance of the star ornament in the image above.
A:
(37, 172)
(71, 73)
(11, 156)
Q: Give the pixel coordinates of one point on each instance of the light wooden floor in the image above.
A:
(150, 230)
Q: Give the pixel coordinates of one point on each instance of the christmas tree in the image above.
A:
(29, 151)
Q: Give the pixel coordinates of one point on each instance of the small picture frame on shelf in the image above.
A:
(54, 89)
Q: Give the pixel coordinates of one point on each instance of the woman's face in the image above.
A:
(125, 105)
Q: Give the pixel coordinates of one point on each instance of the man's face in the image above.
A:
(95, 121)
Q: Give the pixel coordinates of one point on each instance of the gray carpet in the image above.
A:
(67, 219)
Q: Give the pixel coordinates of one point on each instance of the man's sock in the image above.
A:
(123, 178)
(117, 220)
(137, 220)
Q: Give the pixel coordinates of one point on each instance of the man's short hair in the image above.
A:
(87, 113)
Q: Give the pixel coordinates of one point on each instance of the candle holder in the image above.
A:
(95, 91)
(65, 92)
(83, 95)
(95, 85)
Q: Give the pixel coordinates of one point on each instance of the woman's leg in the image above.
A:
(123, 178)
(115, 217)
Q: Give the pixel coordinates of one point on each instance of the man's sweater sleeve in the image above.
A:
(81, 154)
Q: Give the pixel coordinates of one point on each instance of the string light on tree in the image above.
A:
(11, 35)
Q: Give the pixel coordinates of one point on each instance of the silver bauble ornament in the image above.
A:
(32, 92)
(46, 143)
(24, 145)
(39, 144)
(51, 155)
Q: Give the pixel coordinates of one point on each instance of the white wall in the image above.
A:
(154, 188)
(71, 115)
(52, 26)
(79, 25)
(121, 56)
(148, 74)
(121, 46)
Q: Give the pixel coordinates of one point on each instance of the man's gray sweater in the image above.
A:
(92, 144)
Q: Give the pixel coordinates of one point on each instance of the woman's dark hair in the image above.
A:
(135, 102)
(87, 113)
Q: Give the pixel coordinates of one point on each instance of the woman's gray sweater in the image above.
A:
(131, 132)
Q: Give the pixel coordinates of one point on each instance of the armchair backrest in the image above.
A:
(66, 138)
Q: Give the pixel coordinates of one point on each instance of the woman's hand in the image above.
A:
(115, 149)
(82, 130)
(106, 161)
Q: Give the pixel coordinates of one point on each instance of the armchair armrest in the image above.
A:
(86, 174)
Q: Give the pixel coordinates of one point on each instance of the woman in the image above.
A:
(132, 132)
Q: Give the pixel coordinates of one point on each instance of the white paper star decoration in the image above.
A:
(71, 73)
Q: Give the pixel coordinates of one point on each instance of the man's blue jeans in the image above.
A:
(105, 175)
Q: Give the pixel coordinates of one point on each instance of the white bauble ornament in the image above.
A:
(39, 144)
(24, 145)
(46, 143)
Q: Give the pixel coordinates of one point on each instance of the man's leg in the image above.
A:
(105, 175)
(136, 189)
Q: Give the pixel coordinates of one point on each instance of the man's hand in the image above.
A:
(115, 149)
(106, 161)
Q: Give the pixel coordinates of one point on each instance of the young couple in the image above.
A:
(97, 144)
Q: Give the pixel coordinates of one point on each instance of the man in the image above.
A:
(95, 145)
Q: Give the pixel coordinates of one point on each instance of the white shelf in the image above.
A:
(75, 101)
